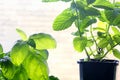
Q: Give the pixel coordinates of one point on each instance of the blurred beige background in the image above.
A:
(32, 16)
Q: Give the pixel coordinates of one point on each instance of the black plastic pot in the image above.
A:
(98, 70)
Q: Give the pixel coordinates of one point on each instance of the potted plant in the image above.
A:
(27, 59)
(98, 35)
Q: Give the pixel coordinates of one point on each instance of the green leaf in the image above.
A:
(89, 43)
(66, 0)
(116, 38)
(80, 43)
(64, 20)
(21, 74)
(113, 16)
(31, 42)
(43, 53)
(116, 21)
(43, 41)
(22, 34)
(115, 30)
(90, 11)
(117, 4)
(19, 52)
(101, 34)
(8, 69)
(53, 78)
(85, 23)
(103, 4)
(34, 63)
(90, 1)
(102, 17)
(1, 49)
(116, 53)
(103, 43)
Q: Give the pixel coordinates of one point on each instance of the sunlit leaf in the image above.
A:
(103, 4)
(80, 43)
(116, 38)
(19, 53)
(115, 30)
(117, 4)
(116, 53)
(103, 17)
(43, 41)
(34, 63)
(83, 24)
(8, 69)
(103, 43)
(64, 20)
(22, 34)
(21, 74)
(89, 43)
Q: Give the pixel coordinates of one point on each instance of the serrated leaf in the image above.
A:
(34, 63)
(102, 17)
(22, 34)
(104, 4)
(86, 22)
(116, 38)
(115, 30)
(64, 20)
(19, 52)
(103, 43)
(113, 16)
(80, 43)
(90, 1)
(90, 11)
(116, 53)
(116, 21)
(8, 69)
(43, 41)
(89, 43)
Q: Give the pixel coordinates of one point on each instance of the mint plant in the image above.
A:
(27, 59)
(97, 23)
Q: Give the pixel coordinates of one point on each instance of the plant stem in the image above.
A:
(109, 50)
(93, 37)
(107, 31)
(77, 13)
(87, 54)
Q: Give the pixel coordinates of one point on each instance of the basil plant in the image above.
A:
(27, 59)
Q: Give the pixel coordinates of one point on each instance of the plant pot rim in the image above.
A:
(104, 61)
